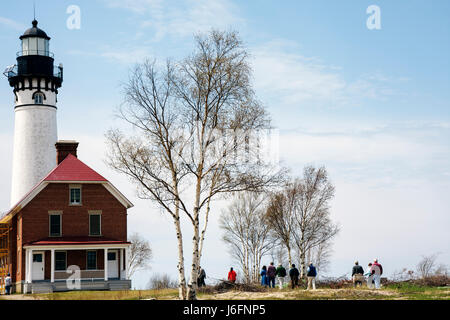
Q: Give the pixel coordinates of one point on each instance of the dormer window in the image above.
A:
(75, 195)
(38, 98)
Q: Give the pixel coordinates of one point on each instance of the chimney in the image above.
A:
(64, 148)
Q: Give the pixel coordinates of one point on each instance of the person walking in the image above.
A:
(357, 274)
(232, 275)
(369, 276)
(293, 274)
(377, 271)
(264, 280)
(201, 277)
(8, 284)
(311, 273)
(280, 273)
(271, 272)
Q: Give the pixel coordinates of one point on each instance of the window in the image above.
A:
(39, 98)
(75, 195)
(55, 224)
(95, 224)
(37, 257)
(111, 256)
(60, 260)
(91, 257)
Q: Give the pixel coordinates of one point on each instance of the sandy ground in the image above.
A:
(302, 294)
(16, 297)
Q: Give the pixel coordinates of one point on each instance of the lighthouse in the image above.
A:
(35, 81)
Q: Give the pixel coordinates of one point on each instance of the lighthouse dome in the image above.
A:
(34, 31)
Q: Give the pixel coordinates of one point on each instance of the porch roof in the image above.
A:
(65, 241)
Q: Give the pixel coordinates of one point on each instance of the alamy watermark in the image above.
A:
(73, 282)
(73, 22)
(374, 20)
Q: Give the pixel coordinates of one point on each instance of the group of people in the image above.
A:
(373, 274)
(269, 274)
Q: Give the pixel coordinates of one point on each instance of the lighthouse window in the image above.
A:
(41, 46)
(38, 98)
(32, 46)
(25, 46)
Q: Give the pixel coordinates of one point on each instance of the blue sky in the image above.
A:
(371, 105)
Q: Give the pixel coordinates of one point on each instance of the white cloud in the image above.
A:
(12, 24)
(125, 55)
(282, 72)
(137, 6)
(181, 18)
(401, 154)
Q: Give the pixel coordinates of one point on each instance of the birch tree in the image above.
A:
(299, 216)
(312, 223)
(192, 122)
(280, 218)
(246, 233)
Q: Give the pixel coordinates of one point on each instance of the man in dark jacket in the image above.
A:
(280, 273)
(271, 272)
(201, 277)
(293, 274)
(357, 274)
(311, 273)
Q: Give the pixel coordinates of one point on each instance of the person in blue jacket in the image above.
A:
(264, 279)
(311, 273)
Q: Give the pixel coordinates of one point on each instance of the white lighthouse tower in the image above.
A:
(35, 82)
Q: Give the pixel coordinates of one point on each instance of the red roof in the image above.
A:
(58, 241)
(72, 169)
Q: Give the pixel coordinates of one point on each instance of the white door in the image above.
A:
(113, 264)
(38, 266)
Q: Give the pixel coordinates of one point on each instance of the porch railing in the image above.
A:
(85, 274)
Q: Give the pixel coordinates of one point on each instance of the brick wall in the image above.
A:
(75, 219)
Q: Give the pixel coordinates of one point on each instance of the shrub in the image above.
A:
(161, 281)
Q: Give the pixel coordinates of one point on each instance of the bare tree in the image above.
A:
(320, 256)
(280, 218)
(299, 216)
(193, 119)
(246, 233)
(425, 267)
(278, 253)
(139, 254)
(161, 281)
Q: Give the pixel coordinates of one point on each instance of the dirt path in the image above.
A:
(303, 294)
(17, 297)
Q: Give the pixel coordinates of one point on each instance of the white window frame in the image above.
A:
(72, 187)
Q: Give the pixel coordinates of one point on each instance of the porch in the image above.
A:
(81, 264)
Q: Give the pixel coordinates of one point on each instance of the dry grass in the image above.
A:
(392, 291)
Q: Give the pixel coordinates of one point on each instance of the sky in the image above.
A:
(371, 105)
